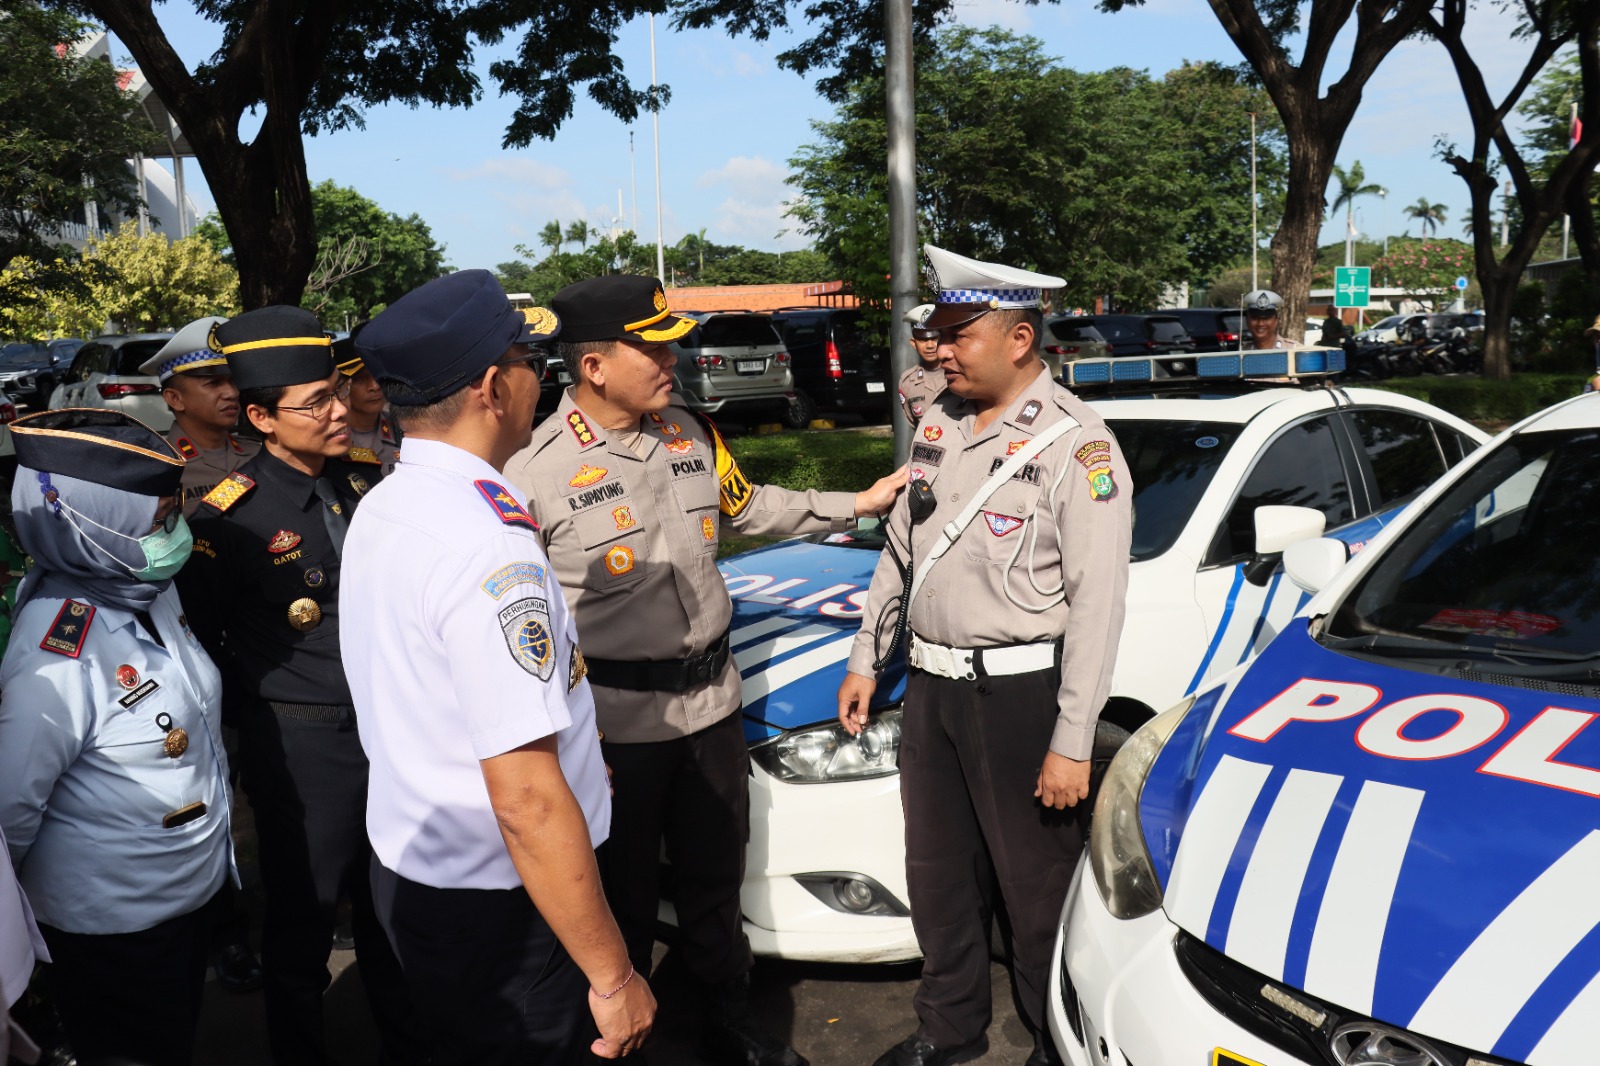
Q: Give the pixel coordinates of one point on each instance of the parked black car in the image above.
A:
(30, 369)
(1147, 334)
(1213, 329)
(835, 362)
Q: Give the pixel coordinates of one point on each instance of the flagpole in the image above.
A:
(1255, 228)
(1575, 131)
(655, 124)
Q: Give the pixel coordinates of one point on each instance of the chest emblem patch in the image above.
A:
(577, 669)
(916, 409)
(282, 541)
(127, 676)
(678, 446)
(623, 516)
(708, 529)
(359, 484)
(316, 578)
(931, 432)
(619, 560)
(304, 614)
(1001, 524)
(1015, 446)
(587, 475)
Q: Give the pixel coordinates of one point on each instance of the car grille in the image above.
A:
(1069, 1002)
(1284, 1017)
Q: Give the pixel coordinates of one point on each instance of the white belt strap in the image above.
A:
(961, 664)
(954, 528)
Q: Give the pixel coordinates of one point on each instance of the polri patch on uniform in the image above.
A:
(139, 693)
(510, 576)
(623, 517)
(1001, 524)
(1030, 412)
(359, 484)
(1102, 484)
(70, 629)
(927, 454)
(931, 432)
(1030, 472)
(187, 449)
(363, 455)
(526, 625)
(580, 429)
(505, 505)
(916, 409)
(679, 446)
(229, 491)
(282, 541)
(1094, 453)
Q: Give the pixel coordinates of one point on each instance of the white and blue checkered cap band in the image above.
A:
(203, 357)
(1004, 297)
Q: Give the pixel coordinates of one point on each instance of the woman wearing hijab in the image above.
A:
(113, 784)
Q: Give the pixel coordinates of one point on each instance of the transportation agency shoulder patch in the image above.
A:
(505, 505)
(1001, 524)
(229, 491)
(526, 625)
(510, 576)
(68, 632)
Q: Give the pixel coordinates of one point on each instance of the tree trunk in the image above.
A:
(1499, 291)
(1294, 246)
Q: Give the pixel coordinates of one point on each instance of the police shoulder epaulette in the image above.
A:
(505, 505)
(186, 448)
(238, 449)
(386, 430)
(363, 455)
(70, 629)
(229, 491)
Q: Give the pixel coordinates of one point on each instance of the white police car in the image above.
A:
(1210, 442)
(1379, 841)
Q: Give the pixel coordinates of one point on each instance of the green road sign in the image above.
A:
(1351, 286)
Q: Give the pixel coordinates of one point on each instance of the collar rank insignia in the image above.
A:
(505, 505)
(186, 449)
(580, 429)
(587, 475)
(233, 442)
(386, 430)
(1029, 412)
(1001, 524)
(931, 432)
(363, 455)
(229, 491)
(68, 632)
(282, 541)
(670, 429)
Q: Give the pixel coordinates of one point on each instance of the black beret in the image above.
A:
(275, 346)
(439, 336)
(618, 307)
(105, 447)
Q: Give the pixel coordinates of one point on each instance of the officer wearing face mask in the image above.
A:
(114, 800)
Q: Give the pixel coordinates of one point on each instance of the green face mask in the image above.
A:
(165, 551)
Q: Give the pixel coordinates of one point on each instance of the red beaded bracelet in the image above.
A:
(619, 988)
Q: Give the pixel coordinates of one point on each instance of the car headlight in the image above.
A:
(1117, 853)
(827, 753)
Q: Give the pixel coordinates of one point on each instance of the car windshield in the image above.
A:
(732, 331)
(1387, 323)
(1502, 567)
(1075, 331)
(1167, 329)
(133, 354)
(23, 354)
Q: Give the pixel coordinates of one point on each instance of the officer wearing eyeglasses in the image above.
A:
(262, 593)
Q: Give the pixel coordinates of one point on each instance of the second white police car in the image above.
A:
(1378, 843)
(1233, 456)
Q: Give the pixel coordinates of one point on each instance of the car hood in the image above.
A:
(1437, 869)
(796, 609)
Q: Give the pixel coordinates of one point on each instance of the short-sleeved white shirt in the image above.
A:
(458, 647)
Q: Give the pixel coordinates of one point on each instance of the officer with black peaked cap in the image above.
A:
(262, 593)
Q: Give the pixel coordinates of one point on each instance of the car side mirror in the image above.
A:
(1277, 527)
(1312, 564)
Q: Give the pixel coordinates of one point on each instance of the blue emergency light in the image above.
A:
(1290, 363)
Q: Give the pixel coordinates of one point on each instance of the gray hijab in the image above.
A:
(73, 558)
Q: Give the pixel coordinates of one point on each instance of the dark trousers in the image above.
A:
(493, 984)
(969, 758)
(307, 783)
(130, 997)
(693, 793)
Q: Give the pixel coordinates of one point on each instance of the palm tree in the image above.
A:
(578, 233)
(1352, 183)
(550, 236)
(1427, 215)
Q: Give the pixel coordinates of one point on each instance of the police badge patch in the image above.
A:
(526, 625)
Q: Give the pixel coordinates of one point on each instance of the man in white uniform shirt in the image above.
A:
(487, 793)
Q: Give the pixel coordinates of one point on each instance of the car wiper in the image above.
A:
(1386, 643)
(1547, 663)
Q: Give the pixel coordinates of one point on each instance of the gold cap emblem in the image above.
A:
(305, 613)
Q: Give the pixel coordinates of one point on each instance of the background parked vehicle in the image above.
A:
(1213, 329)
(835, 362)
(1068, 338)
(1148, 334)
(734, 363)
(105, 373)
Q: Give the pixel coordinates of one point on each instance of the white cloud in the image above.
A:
(747, 176)
(529, 194)
(747, 66)
(1007, 14)
(753, 211)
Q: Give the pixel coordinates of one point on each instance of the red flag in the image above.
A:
(1577, 129)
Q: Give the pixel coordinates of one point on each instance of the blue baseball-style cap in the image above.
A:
(439, 336)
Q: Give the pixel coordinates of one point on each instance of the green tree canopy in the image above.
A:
(367, 257)
(1117, 182)
(63, 123)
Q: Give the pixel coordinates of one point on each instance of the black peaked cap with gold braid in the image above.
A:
(105, 447)
(618, 307)
(275, 346)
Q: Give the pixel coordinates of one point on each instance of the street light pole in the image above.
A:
(655, 122)
(1255, 229)
(901, 120)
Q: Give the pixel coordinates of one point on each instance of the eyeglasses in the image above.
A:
(536, 360)
(321, 408)
(169, 523)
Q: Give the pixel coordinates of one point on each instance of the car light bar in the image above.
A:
(1292, 363)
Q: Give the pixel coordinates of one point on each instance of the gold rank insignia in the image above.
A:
(708, 528)
(304, 614)
(1015, 446)
(619, 560)
(580, 429)
(229, 491)
(187, 449)
(363, 455)
(931, 432)
(678, 446)
(587, 475)
(176, 743)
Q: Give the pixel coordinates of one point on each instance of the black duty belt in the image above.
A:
(669, 675)
(314, 712)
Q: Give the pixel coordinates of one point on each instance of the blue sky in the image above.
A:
(735, 120)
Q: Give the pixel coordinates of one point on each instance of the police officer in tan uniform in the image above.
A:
(374, 435)
(1013, 633)
(198, 387)
(631, 492)
(921, 383)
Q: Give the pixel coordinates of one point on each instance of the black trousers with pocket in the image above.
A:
(970, 756)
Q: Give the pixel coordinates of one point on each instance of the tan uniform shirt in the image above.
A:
(1062, 524)
(378, 446)
(918, 387)
(204, 468)
(630, 521)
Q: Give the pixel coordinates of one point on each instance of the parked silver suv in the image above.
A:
(735, 363)
(105, 373)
